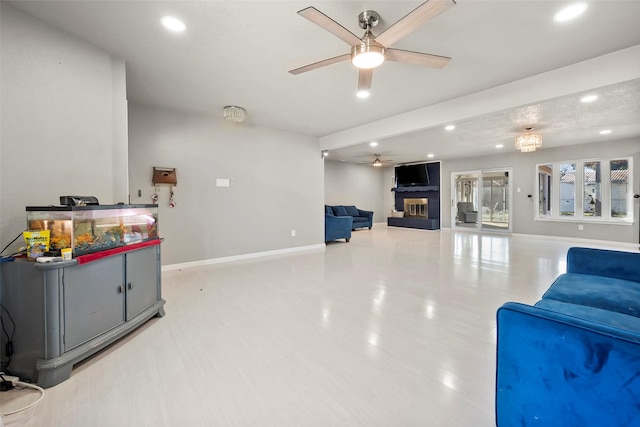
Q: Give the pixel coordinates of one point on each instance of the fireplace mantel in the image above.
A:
(416, 188)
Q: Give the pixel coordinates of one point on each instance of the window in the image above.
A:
(568, 189)
(588, 190)
(592, 186)
(545, 173)
(620, 192)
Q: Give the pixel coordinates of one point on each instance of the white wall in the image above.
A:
(359, 185)
(277, 186)
(63, 120)
(524, 177)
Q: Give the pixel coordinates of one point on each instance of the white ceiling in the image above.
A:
(239, 52)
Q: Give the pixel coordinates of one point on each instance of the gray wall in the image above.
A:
(63, 120)
(359, 185)
(524, 177)
(276, 178)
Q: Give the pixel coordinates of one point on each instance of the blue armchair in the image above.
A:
(336, 227)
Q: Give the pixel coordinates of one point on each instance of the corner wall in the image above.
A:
(63, 120)
(359, 185)
(276, 184)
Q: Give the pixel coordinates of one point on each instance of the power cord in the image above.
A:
(14, 384)
(9, 344)
(5, 248)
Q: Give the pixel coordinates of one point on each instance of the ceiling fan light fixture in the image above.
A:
(377, 162)
(362, 94)
(367, 55)
(529, 141)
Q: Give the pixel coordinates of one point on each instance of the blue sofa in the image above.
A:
(361, 218)
(573, 359)
(336, 227)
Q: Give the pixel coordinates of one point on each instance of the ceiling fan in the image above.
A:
(377, 161)
(370, 51)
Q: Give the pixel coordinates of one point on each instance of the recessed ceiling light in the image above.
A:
(430, 155)
(373, 144)
(588, 98)
(450, 127)
(173, 24)
(362, 94)
(570, 12)
(605, 132)
(499, 145)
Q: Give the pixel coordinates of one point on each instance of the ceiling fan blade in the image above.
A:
(317, 17)
(413, 20)
(322, 63)
(416, 58)
(364, 79)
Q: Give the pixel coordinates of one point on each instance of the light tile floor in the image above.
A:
(395, 328)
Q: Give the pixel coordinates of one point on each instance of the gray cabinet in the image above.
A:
(64, 312)
(142, 283)
(93, 298)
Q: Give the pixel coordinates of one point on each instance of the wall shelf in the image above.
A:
(416, 188)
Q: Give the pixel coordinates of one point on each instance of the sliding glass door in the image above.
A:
(466, 198)
(481, 200)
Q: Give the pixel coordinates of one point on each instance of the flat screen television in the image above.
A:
(412, 175)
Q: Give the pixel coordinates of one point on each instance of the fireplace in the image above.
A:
(416, 208)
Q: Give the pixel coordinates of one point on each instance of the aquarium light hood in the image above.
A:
(78, 200)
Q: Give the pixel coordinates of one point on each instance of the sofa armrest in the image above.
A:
(337, 227)
(366, 214)
(340, 221)
(603, 262)
(556, 369)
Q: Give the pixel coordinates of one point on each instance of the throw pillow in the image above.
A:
(352, 210)
(340, 211)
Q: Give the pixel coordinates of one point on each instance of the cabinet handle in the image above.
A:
(130, 285)
(119, 289)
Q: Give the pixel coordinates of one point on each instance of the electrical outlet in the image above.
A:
(293, 233)
(580, 227)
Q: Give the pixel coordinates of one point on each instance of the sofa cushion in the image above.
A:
(621, 322)
(352, 210)
(604, 262)
(360, 219)
(340, 211)
(622, 296)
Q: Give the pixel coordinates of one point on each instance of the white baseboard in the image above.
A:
(613, 243)
(233, 258)
(579, 240)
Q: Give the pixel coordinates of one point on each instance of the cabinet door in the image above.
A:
(143, 277)
(93, 299)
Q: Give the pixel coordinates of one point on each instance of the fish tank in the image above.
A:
(88, 229)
